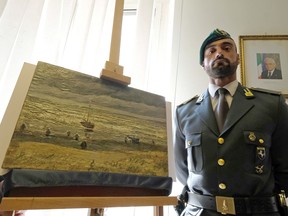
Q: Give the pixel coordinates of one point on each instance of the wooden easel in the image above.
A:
(113, 71)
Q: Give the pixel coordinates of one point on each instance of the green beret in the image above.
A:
(216, 35)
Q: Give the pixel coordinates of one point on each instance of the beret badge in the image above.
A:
(217, 34)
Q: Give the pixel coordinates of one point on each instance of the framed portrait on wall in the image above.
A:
(264, 62)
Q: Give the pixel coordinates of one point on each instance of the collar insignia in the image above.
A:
(200, 99)
(248, 93)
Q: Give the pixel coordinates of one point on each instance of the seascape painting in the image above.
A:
(73, 121)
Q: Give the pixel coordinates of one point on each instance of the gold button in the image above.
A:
(221, 162)
(261, 141)
(220, 140)
(222, 186)
(189, 142)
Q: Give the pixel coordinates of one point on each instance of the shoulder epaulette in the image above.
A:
(268, 91)
(196, 96)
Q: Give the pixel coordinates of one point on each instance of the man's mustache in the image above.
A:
(221, 58)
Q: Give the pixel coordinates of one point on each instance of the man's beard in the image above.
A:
(222, 68)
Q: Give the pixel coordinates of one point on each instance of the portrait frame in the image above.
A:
(253, 50)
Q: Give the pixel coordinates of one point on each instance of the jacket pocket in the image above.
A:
(194, 152)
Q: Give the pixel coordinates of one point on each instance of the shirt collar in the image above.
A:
(231, 87)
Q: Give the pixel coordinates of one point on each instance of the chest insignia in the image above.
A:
(261, 153)
(259, 169)
(252, 136)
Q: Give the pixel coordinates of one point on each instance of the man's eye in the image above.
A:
(211, 51)
(227, 48)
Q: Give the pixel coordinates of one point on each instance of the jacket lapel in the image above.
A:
(241, 104)
(204, 110)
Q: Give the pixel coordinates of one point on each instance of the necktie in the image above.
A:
(222, 108)
(269, 74)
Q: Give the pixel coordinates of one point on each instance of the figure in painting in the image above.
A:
(271, 71)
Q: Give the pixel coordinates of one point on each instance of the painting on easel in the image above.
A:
(73, 121)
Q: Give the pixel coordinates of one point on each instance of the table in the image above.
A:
(9, 204)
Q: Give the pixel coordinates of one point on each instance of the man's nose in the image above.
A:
(219, 55)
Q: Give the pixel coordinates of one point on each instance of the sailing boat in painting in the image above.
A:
(86, 121)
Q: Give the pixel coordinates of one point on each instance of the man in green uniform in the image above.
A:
(235, 164)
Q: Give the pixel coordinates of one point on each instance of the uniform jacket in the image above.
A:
(250, 156)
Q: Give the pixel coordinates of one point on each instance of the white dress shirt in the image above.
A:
(231, 87)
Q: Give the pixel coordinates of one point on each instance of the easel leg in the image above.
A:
(96, 212)
(158, 210)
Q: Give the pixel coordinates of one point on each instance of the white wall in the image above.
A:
(195, 19)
